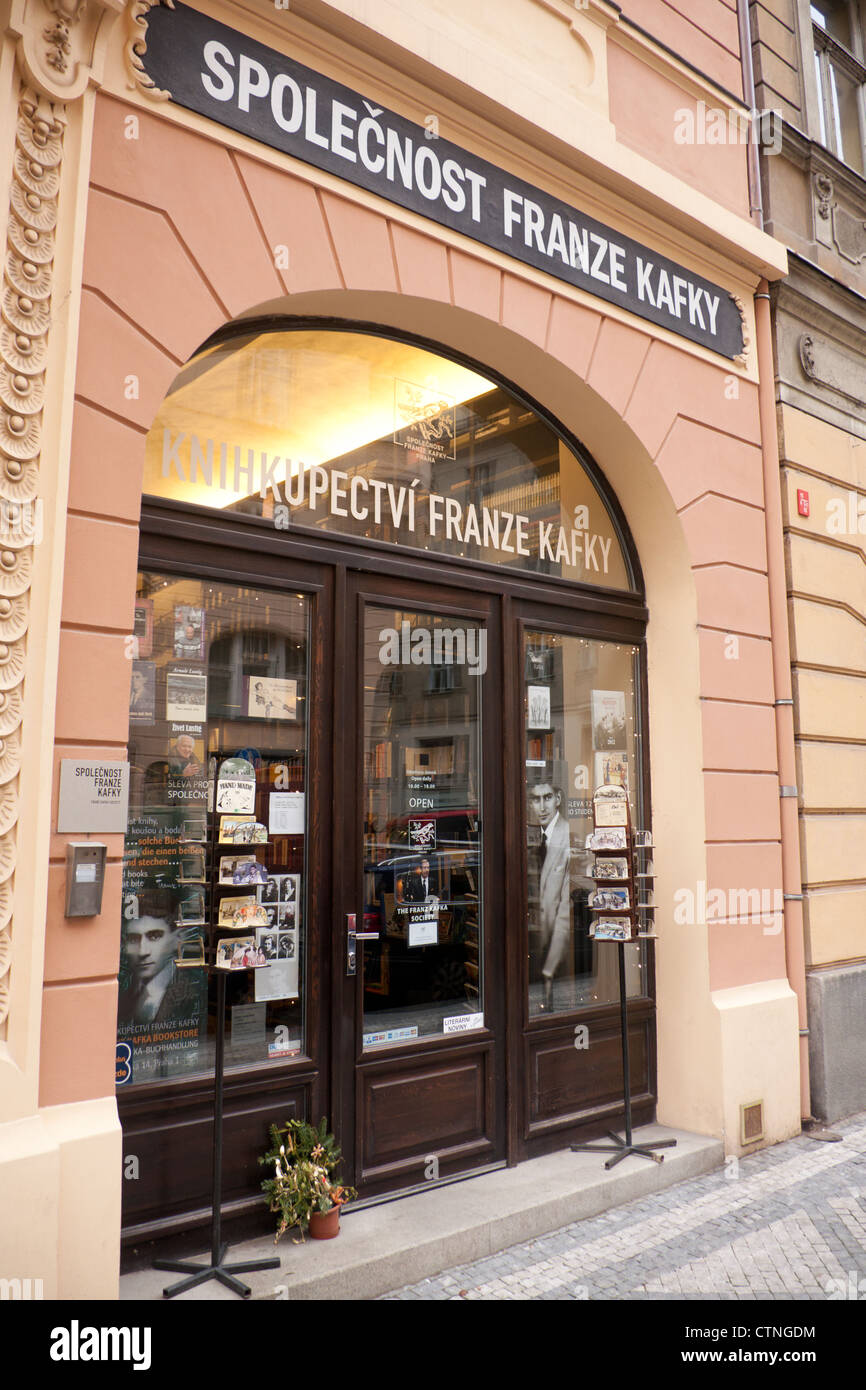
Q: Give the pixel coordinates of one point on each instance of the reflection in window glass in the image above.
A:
(579, 698)
(834, 17)
(382, 440)
(218, 672)
(846, 117)
(423, 891)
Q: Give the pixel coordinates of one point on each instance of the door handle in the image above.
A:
(352, 936)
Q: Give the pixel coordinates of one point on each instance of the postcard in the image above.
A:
(610, 868)
(231, 908)
(610, 899)
(239, 953)
(612, 929)
(228, 826)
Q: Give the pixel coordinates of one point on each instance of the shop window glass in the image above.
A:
(423, 889)
(580, 734)
(376, 439)
(218, 672)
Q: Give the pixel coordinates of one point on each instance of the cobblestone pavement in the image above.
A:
(786, 1223)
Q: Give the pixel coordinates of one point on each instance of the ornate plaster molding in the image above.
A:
(849, 235)
(821, 375)
(136, 47)
(824, 194)
(26, 316)
(742, 358)
(59, 42)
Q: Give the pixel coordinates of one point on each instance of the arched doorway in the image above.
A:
(386, 579)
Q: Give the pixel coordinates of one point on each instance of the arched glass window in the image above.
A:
(374, 438)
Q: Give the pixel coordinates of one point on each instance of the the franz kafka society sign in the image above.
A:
(231, 78)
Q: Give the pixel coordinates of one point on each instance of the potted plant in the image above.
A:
(303, 1190)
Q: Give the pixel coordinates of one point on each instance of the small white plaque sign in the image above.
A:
(93, 797)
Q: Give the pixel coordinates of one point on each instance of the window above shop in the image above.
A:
(840, 73)
(360, 435)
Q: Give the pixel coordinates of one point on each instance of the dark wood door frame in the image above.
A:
(364, 588)
(243, 550)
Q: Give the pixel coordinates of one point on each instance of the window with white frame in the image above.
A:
(840, 71)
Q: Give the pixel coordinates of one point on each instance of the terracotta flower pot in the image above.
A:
(324, 1225)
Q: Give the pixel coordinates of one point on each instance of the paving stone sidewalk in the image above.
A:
(786, 1223)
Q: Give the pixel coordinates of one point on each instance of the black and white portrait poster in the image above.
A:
(281, 948)
(142, 693)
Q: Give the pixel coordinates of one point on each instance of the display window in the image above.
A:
(581, 734)
(217, 824)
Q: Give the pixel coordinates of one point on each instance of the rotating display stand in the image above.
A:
(621, 926)
(217, 1268)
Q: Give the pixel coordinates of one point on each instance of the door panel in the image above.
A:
(424, 882)
(578, 688)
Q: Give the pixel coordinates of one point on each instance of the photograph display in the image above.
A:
(280, 896)
(185, 694)
(269, 697)
(282, 951)
(186, 756)
(189, 631)
(142, 693)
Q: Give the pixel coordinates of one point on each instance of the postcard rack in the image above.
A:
(623, 912)
(217, 1268)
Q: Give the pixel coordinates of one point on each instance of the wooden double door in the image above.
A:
(437, 1027)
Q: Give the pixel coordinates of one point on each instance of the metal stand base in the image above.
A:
(199, 1274)
(621, 1148)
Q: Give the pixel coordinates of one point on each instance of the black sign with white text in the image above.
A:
(242, 84)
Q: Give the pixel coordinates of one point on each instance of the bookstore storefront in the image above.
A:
(385, 590)
(400, 492)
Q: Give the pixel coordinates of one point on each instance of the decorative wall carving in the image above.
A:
(849, 235)
(57, 43)
(26, 307)
(824, 191)
(136, 47)
(822, 375)
(742, 358)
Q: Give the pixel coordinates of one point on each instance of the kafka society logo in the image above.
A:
(424, 421)
(440, 646)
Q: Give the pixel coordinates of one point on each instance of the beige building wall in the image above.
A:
(827, 578)
(675, 429)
